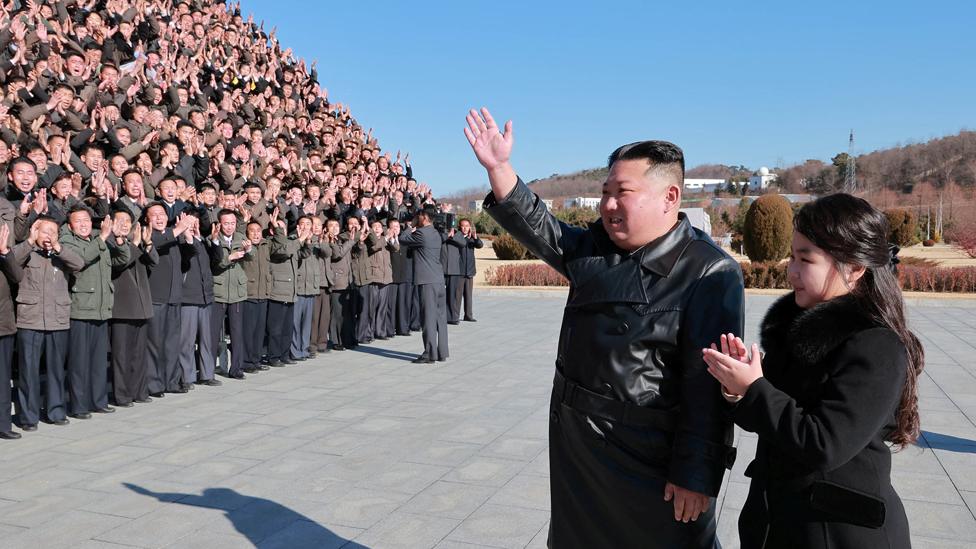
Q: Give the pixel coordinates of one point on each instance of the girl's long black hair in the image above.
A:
(854, 233)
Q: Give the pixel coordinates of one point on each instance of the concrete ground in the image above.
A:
(365, 449)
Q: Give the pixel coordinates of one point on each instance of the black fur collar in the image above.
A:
(809, 335)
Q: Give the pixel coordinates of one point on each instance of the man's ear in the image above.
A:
(672, 198)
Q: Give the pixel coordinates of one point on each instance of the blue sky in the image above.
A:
(757, 83)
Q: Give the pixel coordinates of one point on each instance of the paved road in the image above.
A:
(365, 449)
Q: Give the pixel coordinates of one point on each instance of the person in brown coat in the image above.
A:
(11, 272)
(43, 318)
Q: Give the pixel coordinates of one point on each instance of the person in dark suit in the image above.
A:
(468, 267)
(451, 251)
(166, 287)
(401, 263)
(341, 326)
(167, 192)
(10, 272)
(131, 311)
(639, 435)
(837, 385)
(428, 275)
(196, 310)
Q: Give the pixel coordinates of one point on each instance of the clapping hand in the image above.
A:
(4, 238)
(733, 365)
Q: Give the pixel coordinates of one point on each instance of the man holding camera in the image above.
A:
(428, 276)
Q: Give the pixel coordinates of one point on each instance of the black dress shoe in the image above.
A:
(180, 390)
(442, 359)
(251, 370)
(453, 322)
(123, 405)
(263, 368)
(471, 320)
(288, 362)
(212, 383)
(157, 395)
(188, 386)
(276, 364)
(313, 354)
(146, 400)
(237, 375)
(422, 360)
(82, 415)
(9, 435)
(29, 428)
(338, 348)
(105, 410)
(63, 422)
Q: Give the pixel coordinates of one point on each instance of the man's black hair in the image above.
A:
(225, 211)
(129, 172)
(665, 158)
(80, 207)
(20, 160)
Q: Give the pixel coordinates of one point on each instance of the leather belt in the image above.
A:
(582, 399)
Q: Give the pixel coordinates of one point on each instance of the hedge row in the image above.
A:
(759, 275)
(914, 278)
(533, 274)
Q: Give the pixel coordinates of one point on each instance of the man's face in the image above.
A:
(121, 223)
(333, 227)
(132, 183)
(227, 130)
(314, 193)
(172, 152)
(24, 177)
(76, 65)
(352, 224)
(254, 233)
(38, 157)
(61, 188)
(634, 204)
(228, 200)
(377, 228)
(208, 196)
(228, 224)
(317, 226)
(4, 152)
(305, 224)
(124, 136)
(253, 194)
(119, 164)
(394, 226)
(465, 227)
(80, 223)
(93, 158)
(47, 234)
(183, 95)
(157, 217)
(167, 189)
(109, 75)
(295, 194)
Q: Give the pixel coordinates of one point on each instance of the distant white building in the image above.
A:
(761, 180)
(699, 219)
(475, 205)
(588, 202)
(704, 185)
(548, 203)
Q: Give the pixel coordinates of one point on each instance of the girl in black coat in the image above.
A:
(836, 386)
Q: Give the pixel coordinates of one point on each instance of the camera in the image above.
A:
(444, 222)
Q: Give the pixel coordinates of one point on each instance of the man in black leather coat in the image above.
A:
(639, 436)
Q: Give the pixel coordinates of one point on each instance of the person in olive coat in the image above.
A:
(401, 265)
(257, 267)
(322, 309)
(131, 311)
(230, 289)
(364, 292)
(92, 298)
(10, 272)
(836, 386)
(306, 288)
(43, 319)
(639, 432)
(285, 251)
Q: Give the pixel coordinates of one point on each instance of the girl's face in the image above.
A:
(815, 276)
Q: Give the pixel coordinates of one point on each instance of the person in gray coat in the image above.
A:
(468, 268)
(428, 275)
(43, 318)
(451, 250)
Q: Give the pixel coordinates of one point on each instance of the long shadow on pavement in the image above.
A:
(385, 353)
(266, 524)
(938, 441)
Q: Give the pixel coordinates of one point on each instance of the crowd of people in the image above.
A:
(180, 198)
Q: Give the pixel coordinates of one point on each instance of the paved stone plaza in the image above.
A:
(365, 449)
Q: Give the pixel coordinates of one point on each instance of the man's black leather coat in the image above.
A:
(633, 406)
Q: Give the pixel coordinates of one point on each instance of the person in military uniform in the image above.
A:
(639, 432)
